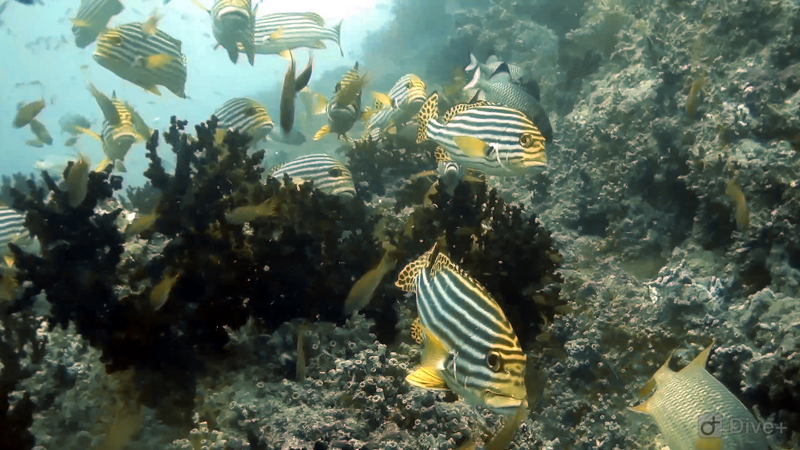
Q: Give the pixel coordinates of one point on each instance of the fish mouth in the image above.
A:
(503, 403)
(233, 14)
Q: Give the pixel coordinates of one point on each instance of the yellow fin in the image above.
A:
(320, 104)
(89, 133)
(158, 61)
(426, 378)
(643, 408)
(105, 162)
(80, 23)
(502, 439)
(407, 280)
(367, 114)
(322, 132)
(441, 155)
(151, 25)
(383, 99)
(699, 362)
(201, 6)
(471, 146)
(9, 259)
(277, 34)
(708, 443)
(153, 89)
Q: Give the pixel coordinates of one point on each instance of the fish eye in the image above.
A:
(335, 172)
(494, 361)
(409, 85)
(490, 152)
(526, 140)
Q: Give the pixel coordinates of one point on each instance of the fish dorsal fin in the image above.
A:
(314, 17)
(426, 378)
(501, 74)
(699, 362)
(441, 155)
(417, 332)
(274, 169)
(458, 109)
(407, 280)
(444, 264)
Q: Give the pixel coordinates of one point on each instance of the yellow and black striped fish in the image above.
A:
(469, 345)
(329, 175)
(277, 33)
(233, 24)
(92, 18)
(344, 109)
(247, 116)
(122, 127)
(398, 106)
(489, 138)
(146, 60)
(13, 231)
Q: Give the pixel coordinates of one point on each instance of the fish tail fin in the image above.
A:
(338, 31)
(473, 63)
(427, 111)
(103, 164)
(476, 77)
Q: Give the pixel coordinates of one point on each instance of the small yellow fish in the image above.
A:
(349, 91)
(141, 224)
(250, 213)
(28, 112)
(741, 211)
(77, 184)
(41, 132)
(34, 143)
(361, 292)
(160, 293)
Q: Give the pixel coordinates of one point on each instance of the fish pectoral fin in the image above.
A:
(201, 6)
(80, 23)
(322, 132)
(471, 146)
(119, 166)
(9, 259)
(426, 378)
(153, 89)
(320, 44)
(434, 352)
(158, 61)
(89, 133)
(383, 99)
(286, 54)
(277, 34)
(643, 408)
(708, 443)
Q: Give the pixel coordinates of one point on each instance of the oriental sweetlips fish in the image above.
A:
(327, 174)
(92, 18)
(469, 345)
(280, 32)
(398, 106)
(344, 109)
(122, 127)
(233, 23)
(146, 60)
(13, 231)
(491, 139)
(247, 116)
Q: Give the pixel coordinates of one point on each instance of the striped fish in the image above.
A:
(492, 139)
(122, 127)
(277, 33)
(143, 59)
(406, 97)
(469, 345)
(329, 175)
(343, 115)
(92, 18)
(233, 24)
(246, 116)
(12, 229)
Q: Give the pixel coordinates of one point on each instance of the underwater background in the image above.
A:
(195, 302)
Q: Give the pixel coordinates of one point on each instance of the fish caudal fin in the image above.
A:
(476, 77)
(338, 30)
(429, 110)
(473, 63)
